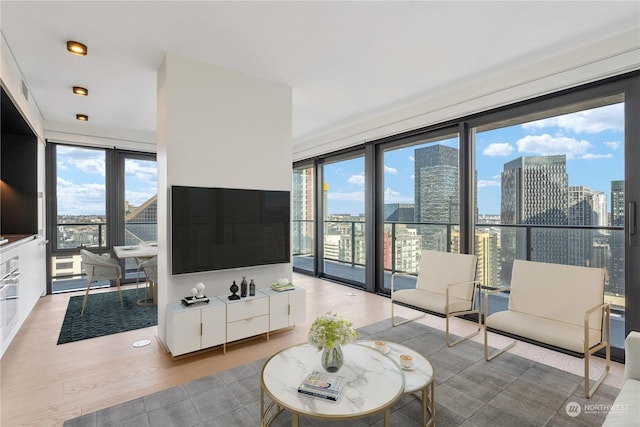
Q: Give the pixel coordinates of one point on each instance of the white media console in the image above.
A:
(190, 329)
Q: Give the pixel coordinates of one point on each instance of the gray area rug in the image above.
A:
(509, 391)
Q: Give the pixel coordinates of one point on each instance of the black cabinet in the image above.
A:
(18, 172)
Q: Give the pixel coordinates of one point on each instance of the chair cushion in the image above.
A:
(544, 290)
(438, 269)
(560, 334)
(430, 301)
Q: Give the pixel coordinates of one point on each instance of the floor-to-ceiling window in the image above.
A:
(343, 217)
(100, 198)
(551, 179)
(140, 212)
(550, 188)
(303, 223)
(421, 203)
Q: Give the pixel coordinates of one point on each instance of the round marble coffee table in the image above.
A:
(418, 380)
(374, 382)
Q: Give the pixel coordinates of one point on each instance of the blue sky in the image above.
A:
(592, 141)
(81, 181)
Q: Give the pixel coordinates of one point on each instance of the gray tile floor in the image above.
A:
(508, 391)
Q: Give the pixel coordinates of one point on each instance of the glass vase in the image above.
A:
(332, 358)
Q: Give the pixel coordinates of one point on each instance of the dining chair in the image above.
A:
(150, 268)
(99, 268)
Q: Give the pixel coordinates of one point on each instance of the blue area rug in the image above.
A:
(103, 316)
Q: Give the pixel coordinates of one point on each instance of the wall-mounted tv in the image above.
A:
(223, 228)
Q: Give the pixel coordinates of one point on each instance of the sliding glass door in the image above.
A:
(343, 216)
(552, 179)
(139, 210)
(303, 223)
(98, 198)
(551, 188)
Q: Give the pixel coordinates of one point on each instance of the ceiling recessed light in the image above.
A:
(79, 90)
(76, 48)
(82, 117)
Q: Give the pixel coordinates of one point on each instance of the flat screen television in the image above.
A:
(223, 228)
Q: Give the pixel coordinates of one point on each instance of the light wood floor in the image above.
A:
(44, 384)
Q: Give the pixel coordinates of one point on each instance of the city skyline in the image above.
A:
(592, 141)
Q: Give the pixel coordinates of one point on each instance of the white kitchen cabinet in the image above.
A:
(285, 308)
(195, 328)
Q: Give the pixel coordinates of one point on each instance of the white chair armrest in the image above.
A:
(475, 283)
(393, 276)
(488, 292)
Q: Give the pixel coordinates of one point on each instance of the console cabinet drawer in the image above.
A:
(247, 308)
(247, 327)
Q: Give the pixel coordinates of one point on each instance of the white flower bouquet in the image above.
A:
(331, 330)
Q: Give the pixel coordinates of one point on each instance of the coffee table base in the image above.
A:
(426, 398)
(266, 417)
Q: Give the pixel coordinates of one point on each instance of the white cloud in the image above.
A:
(411, 158)
(482, 183)
(392, 196)
(614, 145)
(390, 170)
(498, 149)
(88, 161)
(391, 193)
(356, 179)
(547, 145)
(610, 117)
(89, 165)
(590, 156)
(144, 170)
(78, 199)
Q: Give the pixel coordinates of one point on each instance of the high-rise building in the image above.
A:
(535, 192)
(616, 271)
(406, 244)
(436, 193)
(302, 211)
(407, 247)
(585, 208)
(399, 212)
(487, 249)
(436, 184)
(141, 222)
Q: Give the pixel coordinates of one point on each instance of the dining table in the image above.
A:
(140, 253)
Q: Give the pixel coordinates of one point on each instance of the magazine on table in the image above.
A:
(281, 288)
(322, 385)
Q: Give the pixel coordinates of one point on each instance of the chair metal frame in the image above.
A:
(589, 389)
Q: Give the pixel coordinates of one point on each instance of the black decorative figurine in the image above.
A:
(234, 289)
(243, 287)
(252, 288)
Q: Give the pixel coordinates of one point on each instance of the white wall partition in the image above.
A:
(217, 128)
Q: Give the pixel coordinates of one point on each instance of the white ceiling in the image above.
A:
(345, 61)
